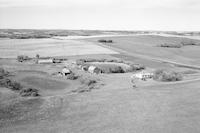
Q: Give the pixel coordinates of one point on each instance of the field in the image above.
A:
(147, 46)
(11, 48)
(100, 103)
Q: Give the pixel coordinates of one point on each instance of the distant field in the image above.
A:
(10, 48)
(147, 45)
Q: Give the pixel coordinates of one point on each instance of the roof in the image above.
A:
(91, 68)
(65, 70)
(141, 74)
(45, 60)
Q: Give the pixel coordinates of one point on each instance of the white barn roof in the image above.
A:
(65, 70)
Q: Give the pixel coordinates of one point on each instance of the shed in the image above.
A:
(44, 61)
(142, 75)
(57, 61)
(65, 71)
(94, 69)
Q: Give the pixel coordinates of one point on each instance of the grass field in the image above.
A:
(147, 45)
(10, 48)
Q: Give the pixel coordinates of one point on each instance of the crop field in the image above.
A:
(99, 103)
(11, 48)
(148, 46)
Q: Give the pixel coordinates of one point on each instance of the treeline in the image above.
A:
(189, 42)
(167, 75)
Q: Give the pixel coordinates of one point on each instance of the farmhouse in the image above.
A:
(44, 61)
(142, 75)
(94, 69)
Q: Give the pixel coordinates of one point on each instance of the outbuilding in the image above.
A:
(44, 61)
(65, 71)
(94, 69)
(142, 75)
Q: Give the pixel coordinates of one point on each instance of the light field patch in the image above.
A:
(11, 48)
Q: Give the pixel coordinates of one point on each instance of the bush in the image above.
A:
(22, 58)
(37, 56)
(29, 92)
(190, 42)
(87, 85)
(105, 41)
(167, 75)
(171, 45)
(13, 85)
(5, 83)
(72, 76)
(117, 69)
(3, 73)
(102, 41)
(109, 41)
(136, 67)
(88, 82)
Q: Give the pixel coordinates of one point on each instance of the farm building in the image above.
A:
(142, 75)
(94, 69)
(44, 61)
(57, 61)
(65, 71)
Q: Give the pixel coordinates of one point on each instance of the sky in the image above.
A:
(165, 15)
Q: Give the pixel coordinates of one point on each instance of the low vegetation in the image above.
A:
(180, 44)
(111, 69)
(37, 34)
(88, 84)
(171, 45)
(190, 42)
(113, 66)
(29, 92)
(14, 85)
(105, 41)
(167, 75)
(72, 76)
(3, 73)
(22, 58)
(83, 61)
(135, 67)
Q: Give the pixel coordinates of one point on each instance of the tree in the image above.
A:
(37, 56)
